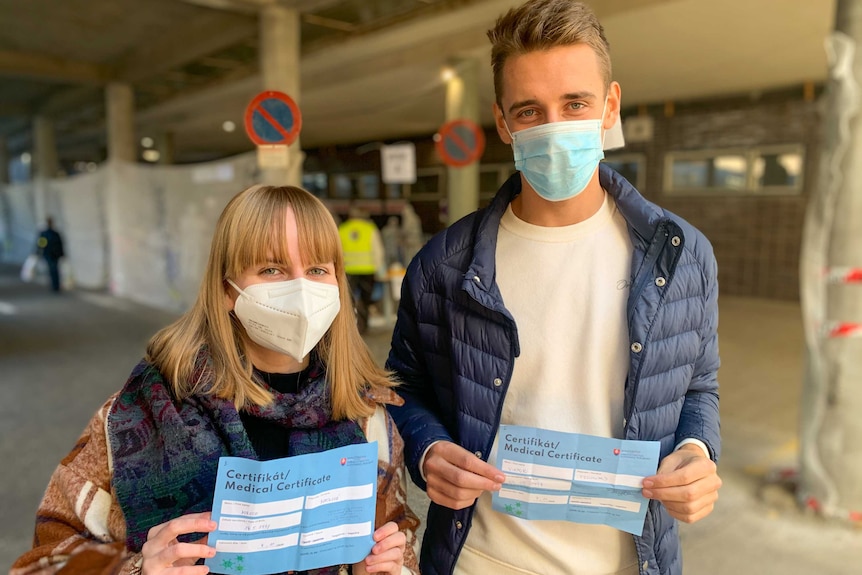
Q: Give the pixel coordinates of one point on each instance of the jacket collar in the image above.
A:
(642, 217)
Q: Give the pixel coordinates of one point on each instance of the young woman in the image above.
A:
(268, 363)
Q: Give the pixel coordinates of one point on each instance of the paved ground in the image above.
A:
(61, 356)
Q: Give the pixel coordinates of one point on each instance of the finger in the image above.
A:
(463, 459)
(385, 531)
(191, 523)
(395, 541)
(691, 516)
(185, 554)
(686, 492)
(460, 477)
(442, 492)
(693, 470)
(186, 570)
(390, 562)
(704, 488)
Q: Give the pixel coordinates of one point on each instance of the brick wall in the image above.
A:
(757, 239)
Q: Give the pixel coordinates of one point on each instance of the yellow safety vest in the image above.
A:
(356, 241)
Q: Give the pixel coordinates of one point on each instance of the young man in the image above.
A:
(570, 303)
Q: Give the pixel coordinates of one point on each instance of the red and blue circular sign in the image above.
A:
(272, 119)
(460, 142)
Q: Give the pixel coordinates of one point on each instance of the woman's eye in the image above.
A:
(270, 271)
(318, 271)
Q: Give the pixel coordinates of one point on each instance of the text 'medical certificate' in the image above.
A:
(574, 477)
(295, 513)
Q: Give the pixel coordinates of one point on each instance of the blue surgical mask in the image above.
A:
(559, 159)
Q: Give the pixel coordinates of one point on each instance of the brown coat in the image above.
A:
(80, 528)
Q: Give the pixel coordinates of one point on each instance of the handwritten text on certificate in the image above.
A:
(574, 477)
(296, 513)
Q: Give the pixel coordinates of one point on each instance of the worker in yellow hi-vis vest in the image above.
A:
(364, 260)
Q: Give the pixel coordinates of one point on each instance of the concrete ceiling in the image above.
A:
(370, 68)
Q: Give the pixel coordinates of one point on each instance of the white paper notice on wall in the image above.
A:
(398, 163)
(272, 157)
(638, 129)
(614, 139)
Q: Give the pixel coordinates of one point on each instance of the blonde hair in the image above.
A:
(542, 25)
(251, 230)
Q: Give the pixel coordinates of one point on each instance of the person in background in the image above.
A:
(267, 364)
(392, 241)
(570, 303)
(49, 245)
(364, 260)
(412, 236)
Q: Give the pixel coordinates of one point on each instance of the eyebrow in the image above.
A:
(570, 96)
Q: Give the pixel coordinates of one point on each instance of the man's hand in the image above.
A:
(686, 483)
(455, 477)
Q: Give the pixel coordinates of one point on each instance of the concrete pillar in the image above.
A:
(45, 163)
(279, 67)
(120, 107)
(165, 147)
(4, 161)
(830, 451)
(5, 216)
(462, 102)
(45, 148)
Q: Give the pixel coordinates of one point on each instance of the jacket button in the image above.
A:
(498, 382)
(637, 347)
(477, 280)
(675, 241)
(458, 525)
(645, 565)
(660, 281)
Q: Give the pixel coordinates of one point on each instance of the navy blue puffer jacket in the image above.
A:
(455, 344)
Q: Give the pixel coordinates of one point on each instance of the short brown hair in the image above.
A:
(544, 24)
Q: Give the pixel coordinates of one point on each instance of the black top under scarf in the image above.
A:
(269, 439)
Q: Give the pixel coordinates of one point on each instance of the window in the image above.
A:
(778, 169)
(630, 166)
(316, 183)
(428, 185)
(767, 169)
(363, 185)
(367, 186)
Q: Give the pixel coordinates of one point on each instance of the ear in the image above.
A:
(229, 297)
(500, 121)
(612, 113)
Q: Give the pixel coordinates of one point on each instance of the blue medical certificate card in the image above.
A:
(574, 477)
(295, 513)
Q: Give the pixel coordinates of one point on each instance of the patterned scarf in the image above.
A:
(165, 454)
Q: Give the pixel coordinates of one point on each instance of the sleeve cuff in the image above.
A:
(697, 442)
(422, 460)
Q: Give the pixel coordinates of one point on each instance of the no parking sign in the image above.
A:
(273, 119)
(460, 143)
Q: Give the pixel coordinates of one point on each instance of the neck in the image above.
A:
(532, 208)
(274, 362)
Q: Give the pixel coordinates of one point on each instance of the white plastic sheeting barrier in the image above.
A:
(77, 205)
(17, 204)
(160, 223)
(142, 231)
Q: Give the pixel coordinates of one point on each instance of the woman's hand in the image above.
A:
(387, 555)
(162, 552)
